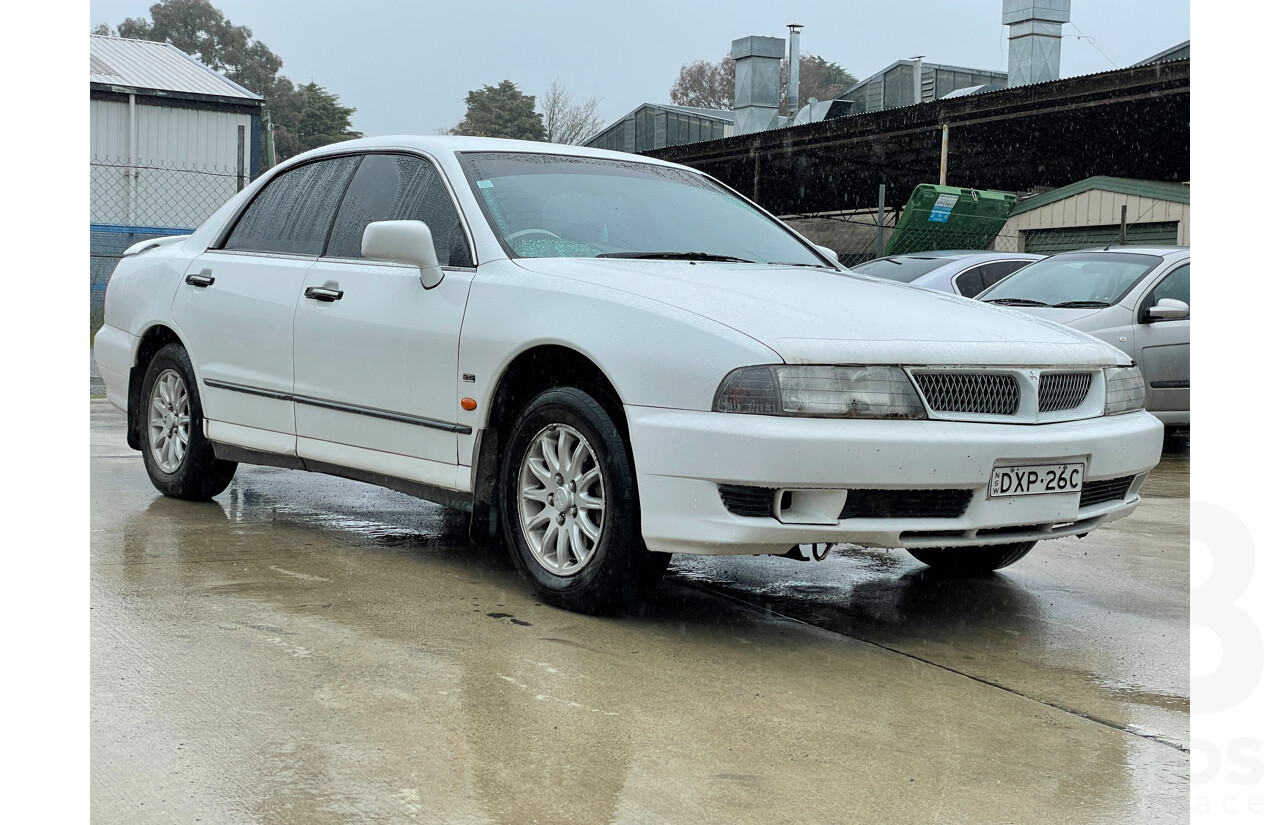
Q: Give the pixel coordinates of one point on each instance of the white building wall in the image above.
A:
(185, 166)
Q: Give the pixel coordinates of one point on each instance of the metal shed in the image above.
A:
(1090, 212)
(170, 140)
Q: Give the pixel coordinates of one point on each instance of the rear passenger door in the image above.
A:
(376, 369)
(235, 309)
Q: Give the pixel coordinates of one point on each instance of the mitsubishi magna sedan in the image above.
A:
(606, 359)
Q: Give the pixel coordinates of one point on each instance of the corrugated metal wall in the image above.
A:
(187, 163)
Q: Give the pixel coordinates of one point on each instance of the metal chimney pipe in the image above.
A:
(793, 77)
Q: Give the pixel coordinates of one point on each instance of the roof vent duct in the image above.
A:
(1035, 39)
(757, 77)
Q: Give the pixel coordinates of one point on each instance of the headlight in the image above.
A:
(1126, 391)
(819, 392)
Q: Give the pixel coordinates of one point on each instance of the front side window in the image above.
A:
(1073, 279)
(554, 206)
(1176, 285)
(399, 188)
(293, 212)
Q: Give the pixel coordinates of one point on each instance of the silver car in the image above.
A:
(963, 272)
(1135, 298)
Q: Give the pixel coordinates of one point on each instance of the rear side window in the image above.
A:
(996, 271)
(399, 188)
(969, 282)
(294, 212)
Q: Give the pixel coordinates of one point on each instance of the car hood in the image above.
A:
(818, 316)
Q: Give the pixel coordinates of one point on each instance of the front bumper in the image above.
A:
(682, 458)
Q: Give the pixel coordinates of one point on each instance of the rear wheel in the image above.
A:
(570, 510)
(178, 458)
(970, 560)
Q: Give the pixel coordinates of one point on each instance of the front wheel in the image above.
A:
(971, 560)
(570, 510)
(178, 458)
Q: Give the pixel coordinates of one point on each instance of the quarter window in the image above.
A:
(398, 188)
(293, 213)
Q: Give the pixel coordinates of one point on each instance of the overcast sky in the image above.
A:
(406, 65)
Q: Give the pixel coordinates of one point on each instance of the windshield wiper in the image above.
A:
(1015, 302)
(676, 256)
(1080, 304)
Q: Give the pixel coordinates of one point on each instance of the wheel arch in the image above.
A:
(150, 342)
(534, 370)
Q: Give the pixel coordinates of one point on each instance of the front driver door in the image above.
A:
(1164, 346)
(376, 369)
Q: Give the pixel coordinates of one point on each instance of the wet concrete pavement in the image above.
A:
(312, 650)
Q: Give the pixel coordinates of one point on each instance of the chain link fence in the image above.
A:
(135, 201)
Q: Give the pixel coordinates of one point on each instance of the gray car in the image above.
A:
(963, 272)
(1137, 298)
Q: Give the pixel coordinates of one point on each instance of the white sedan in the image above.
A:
(606, 359)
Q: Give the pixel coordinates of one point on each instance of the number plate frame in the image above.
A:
(1014, 480)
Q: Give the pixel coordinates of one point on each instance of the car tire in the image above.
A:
(972, 560)
(569, 506)
(178, 458)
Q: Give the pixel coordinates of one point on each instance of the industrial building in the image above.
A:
(657, 125)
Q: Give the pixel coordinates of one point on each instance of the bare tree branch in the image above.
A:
(568, 121)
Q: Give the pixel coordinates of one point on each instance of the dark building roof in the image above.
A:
(1129, 123)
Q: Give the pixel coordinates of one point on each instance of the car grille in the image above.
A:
(747, 501)
(757, 502)
(990, 393)
(1113, 489)
(1063, 390)
(906, 503)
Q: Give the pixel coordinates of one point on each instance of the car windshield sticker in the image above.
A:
(942, 209)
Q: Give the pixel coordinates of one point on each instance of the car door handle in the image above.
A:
(323, 293)
(203, 279)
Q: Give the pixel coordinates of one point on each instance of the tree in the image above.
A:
(305, 116)
(501, 111)
(818, 78)
(568, 121)
(704, 84)
(710, 85)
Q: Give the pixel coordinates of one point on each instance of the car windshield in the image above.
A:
(556, 206)
(901, 268)
(1081, 279)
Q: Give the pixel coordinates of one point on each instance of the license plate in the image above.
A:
(1036, 480)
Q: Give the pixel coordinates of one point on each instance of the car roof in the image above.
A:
(1148, 249)
(445, 144)
(956, 254)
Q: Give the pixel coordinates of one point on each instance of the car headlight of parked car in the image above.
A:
(819, 392)
(1126, 391)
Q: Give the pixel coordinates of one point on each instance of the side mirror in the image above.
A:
(1169, 309)
(403, 242)
(829, 254)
